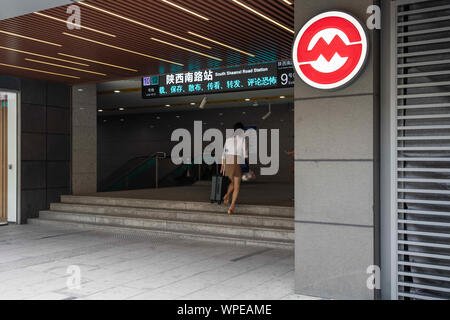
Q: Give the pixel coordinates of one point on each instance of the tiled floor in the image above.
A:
(35, 260)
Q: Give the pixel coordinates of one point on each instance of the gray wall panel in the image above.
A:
(45, 137)
(337, 179)
(33, 91)
(33, 147)
(33, 175)
(58, 147)
(58, 120)
(34, 117)
(58, 174)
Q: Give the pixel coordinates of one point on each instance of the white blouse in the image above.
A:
(236, 146)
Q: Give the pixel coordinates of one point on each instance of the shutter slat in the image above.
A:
(421, 60)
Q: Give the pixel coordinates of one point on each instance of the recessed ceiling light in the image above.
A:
(167, 105)
(122, 49)
(282, 97)
(94, 61)
(116, 91)
(192, 103)
(264, 16)
(141, 24)
(100, 110)
(37, 70)
(80, 90)
(29, 38)
(187, 10)
(121, 109)
(178, 117)
(43, 56)
(186, 49)
(74, 24)
(247, 99)
(66, 67)
(220, 43)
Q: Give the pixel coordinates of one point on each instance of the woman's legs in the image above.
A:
(226, 198)
(236, 188)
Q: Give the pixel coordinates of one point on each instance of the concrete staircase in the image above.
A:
(266, 226)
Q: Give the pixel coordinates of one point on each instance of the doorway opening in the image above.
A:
(8, 157)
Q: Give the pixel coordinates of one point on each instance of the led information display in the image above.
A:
(250, 77)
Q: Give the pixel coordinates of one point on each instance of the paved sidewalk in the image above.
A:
(34, 262)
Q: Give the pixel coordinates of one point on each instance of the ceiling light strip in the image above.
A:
(36, 70)
(183, 48)
(264, 16)
(43, 56)
(123, 49)
(186, 10)
(74, 24)
(142, 24)
(94, 61)
(289, 3)
(220, 43)
(29, 38)
(66, 67)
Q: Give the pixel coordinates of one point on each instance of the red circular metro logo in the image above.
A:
(330, 50)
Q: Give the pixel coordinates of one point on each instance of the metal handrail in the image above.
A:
(145, 161)
(157, 156)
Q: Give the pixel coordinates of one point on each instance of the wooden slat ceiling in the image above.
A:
(229, 23)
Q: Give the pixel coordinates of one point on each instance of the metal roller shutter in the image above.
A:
(423, 148)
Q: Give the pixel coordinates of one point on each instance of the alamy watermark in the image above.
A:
(74, 280)
(374, 20)
(374, 280)
(74, 20)
(257, 141)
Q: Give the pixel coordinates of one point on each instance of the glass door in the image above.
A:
(8, 157)
(3, 158)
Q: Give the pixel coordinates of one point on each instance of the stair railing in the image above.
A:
(158, 156)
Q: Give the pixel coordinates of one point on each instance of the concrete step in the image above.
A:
(178, 215)
(166, 233)
(256, 233)
(272, 211)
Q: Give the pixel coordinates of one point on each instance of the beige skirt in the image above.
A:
(232, 168)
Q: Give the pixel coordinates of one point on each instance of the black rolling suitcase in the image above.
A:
(219, 188)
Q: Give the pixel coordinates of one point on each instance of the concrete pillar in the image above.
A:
(84, 139)
(336, 145)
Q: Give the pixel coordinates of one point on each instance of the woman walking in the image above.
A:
(235, 153)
